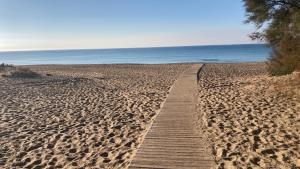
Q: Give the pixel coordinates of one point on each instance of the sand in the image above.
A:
(91, 116)
(95, 116)
(250, 120)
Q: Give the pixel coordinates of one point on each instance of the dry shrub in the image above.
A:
(17, 72)
(23, 73)
(289, 84)
(286, 57)
(5, 67)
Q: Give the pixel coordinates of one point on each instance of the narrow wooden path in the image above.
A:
(173, 140)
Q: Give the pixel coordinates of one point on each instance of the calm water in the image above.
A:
(220, 53)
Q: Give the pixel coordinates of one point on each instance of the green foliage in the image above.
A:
(280, 20)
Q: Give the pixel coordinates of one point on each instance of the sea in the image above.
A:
(153, 55)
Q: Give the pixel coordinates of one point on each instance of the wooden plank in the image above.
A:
(173, 141)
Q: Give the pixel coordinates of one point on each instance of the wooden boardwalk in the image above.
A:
(173, 140)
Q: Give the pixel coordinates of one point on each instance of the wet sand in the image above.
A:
(250, 119)
(91, 116)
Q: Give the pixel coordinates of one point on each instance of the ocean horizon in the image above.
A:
(149, 55)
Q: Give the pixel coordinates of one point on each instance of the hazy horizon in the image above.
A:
(65, 25)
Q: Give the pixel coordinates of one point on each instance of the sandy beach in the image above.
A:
(90, 116)
(156, 84)
(95, 116)
(251, 120)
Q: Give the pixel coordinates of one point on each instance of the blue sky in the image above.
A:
(69, 24)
